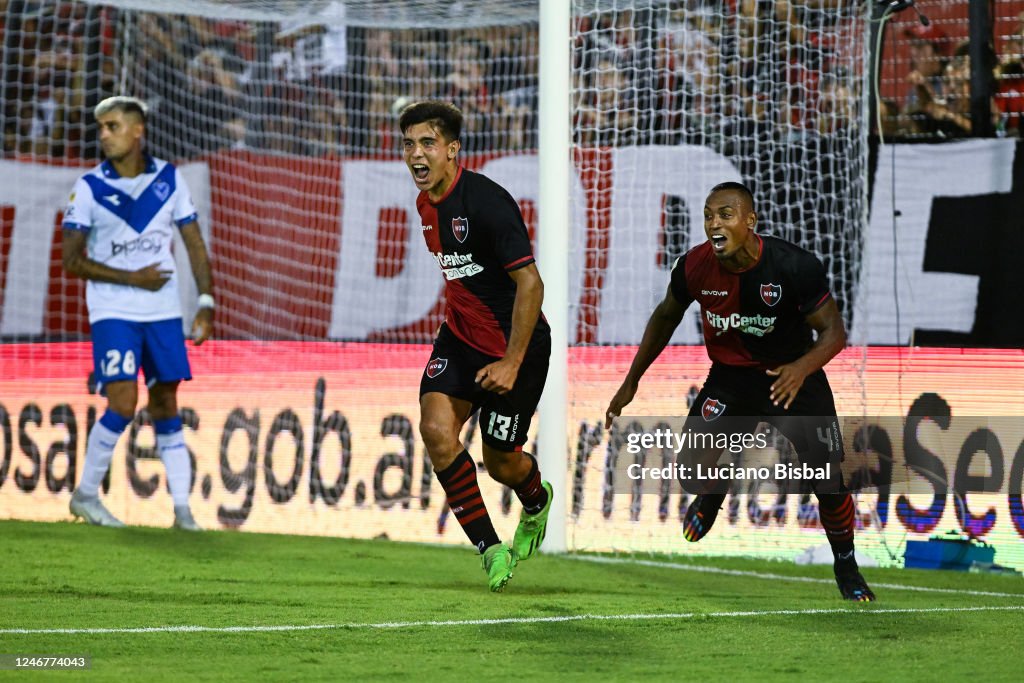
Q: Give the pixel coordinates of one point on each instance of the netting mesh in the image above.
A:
(274, 115)
(670, 99)
(770, 95)
(285, 128)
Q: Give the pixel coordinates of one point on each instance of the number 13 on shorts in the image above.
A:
(498, 426)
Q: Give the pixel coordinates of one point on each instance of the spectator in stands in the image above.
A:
(512, 80)
(280, 125)
(467, 90)
(326, 126)
(837, 107)
(692, 40)
(809, 34)
(927, 65)
(605, 116)
(950, 116)
(1010, 99)
(893, 124)
(52, 76)
(1010, 95)
(215, 104)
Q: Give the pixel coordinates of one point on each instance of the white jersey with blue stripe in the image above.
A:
(130, 223)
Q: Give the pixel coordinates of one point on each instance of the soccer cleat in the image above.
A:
(498, 562)
(700, 516)
(852, 585)
(92, 511)
(532, 529)
(184, 520)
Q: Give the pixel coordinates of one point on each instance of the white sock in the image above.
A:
(177, 463)
(99, 451)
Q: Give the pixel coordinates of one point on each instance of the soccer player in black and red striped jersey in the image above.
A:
(491, 353)
(760, 299)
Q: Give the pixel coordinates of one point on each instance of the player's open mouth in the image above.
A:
(420, 172)
(718, 242)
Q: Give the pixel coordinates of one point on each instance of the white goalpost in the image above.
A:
(554, 142)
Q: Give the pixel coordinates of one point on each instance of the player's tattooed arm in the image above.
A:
(202, 326)
(660, 327)
(73, 255)
(500, 376)
(827, 322)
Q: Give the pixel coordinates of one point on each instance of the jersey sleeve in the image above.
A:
(678, 283)
(811, 283)
(511, 240)
(78, 213)
(184, 209)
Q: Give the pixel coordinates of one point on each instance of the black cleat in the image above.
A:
(852, 585)
(700, 516)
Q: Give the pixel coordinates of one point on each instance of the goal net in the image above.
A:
(282, 117)
(669, 99)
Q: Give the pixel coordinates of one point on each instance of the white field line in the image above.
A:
(867, 611)
(782, 577)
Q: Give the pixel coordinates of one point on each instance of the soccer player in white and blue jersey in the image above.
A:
(118, 229)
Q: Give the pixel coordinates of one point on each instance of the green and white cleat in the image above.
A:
(92, 511)
(498, 562)
(531, 530)
(184, 520)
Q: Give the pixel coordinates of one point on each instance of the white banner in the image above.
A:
(922, 300)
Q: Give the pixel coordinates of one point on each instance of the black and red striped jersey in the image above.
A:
(755, 318)
(477, 236)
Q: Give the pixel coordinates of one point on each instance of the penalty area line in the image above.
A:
(494, 622)
(782, 577)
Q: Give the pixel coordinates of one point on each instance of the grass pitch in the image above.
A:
(300, 608)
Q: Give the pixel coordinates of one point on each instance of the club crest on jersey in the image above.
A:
(711, 409)
(771, 294)
(460, 228)
(436, 366)
(162, 190)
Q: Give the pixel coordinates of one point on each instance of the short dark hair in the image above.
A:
(444, 116)
(737, 187)
(124, 104)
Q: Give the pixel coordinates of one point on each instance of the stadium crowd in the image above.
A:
(702, 72)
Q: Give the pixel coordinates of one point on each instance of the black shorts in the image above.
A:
(504, 418)
(740, 398)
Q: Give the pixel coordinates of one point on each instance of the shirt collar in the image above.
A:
(110, 172)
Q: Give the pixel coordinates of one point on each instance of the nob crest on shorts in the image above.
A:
(436, 366)
(711, 409)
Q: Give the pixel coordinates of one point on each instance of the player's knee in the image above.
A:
(436, 434)
(163, 400)
(163, 408)
(122, 399)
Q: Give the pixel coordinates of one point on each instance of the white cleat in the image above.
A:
(93, 511)
(184, 520)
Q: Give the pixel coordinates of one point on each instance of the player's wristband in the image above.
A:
(206, 301)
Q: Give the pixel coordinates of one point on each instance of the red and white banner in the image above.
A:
(331, 249)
